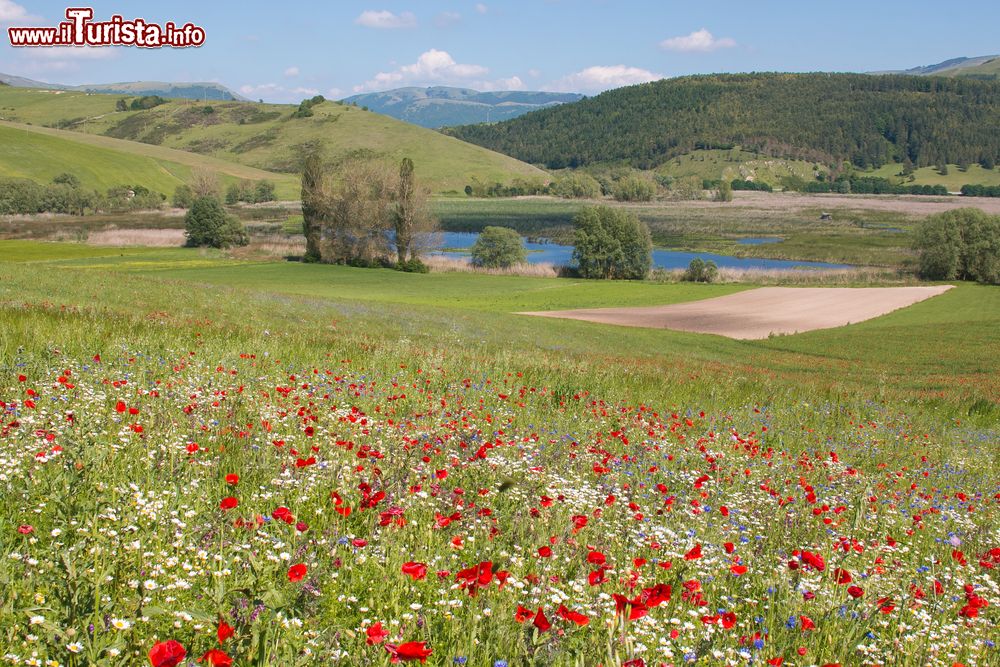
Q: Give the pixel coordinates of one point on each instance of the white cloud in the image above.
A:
(604, 77)
(436, 67)
(445, 19)
(385, 19)
(15, 14)
(481, 8)
(292, 71)
(275, 92)
(701, 41)
(64, 58)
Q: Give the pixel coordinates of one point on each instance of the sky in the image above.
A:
(285, 51)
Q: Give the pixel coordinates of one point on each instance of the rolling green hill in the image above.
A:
(867, 120)
(268, 136)
(100, 162)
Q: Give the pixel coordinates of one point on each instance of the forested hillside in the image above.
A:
(866, 120)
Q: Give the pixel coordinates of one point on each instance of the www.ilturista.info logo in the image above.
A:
(80, 30)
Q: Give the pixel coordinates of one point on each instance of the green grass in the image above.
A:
(40, 153)
(954, 180)
(944, 346)
(268, 138)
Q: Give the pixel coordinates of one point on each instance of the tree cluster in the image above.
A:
(981, 190)
(65, 195)
(250, 192)
(830, 118)
(305, 106)
(365, 214)
(963, 244)
(612, 244)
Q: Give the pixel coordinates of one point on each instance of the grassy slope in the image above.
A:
(954, 180)
(268, 138)
(945, 347)
(40, 153)
(732, 164)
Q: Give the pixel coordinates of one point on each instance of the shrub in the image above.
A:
(183, 196)
(498, 248)
(207, 224)
(576, 186)
(413, 265)
(633, 188)
(610, 243)
(232, 194)
(700, 271)
(963, 244)
(67, 179)
(724, 192)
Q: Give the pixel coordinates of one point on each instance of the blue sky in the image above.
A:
(286, 51)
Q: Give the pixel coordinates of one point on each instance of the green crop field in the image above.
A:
(265, 136)
(279, 463)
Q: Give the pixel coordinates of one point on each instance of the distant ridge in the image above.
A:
(442, 106)
(180, 90)
(980, 67)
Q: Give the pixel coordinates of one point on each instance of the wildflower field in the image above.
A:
(198, 474)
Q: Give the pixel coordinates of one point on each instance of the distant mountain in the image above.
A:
(441, 106)
(980, 67)
(190, 91)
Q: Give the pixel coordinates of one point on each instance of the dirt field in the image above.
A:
(760, 312)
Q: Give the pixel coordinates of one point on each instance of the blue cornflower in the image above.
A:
(758, 644)
(460, 660)
(500, 663)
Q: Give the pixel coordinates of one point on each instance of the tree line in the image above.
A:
(64, 194)
(865, 120)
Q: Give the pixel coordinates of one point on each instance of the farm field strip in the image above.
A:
(763, 312)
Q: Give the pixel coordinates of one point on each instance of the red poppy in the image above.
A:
(167, 654)
(842, 576)
(807, 623)
(416, 571)
(409, 651)
(232, 478)
(120, 407)
(25, 529)
(573, 616)
(545, 552)
(855, 591)
(376, 635)
(297, 572)
(541, 622)
(596, 558)
(216, 658)
(522, 614)
(228, 503)
(694, 553)
(225, 631)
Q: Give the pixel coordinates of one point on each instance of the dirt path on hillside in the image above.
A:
(760, 312)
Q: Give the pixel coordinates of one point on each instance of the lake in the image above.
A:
(458, 244)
